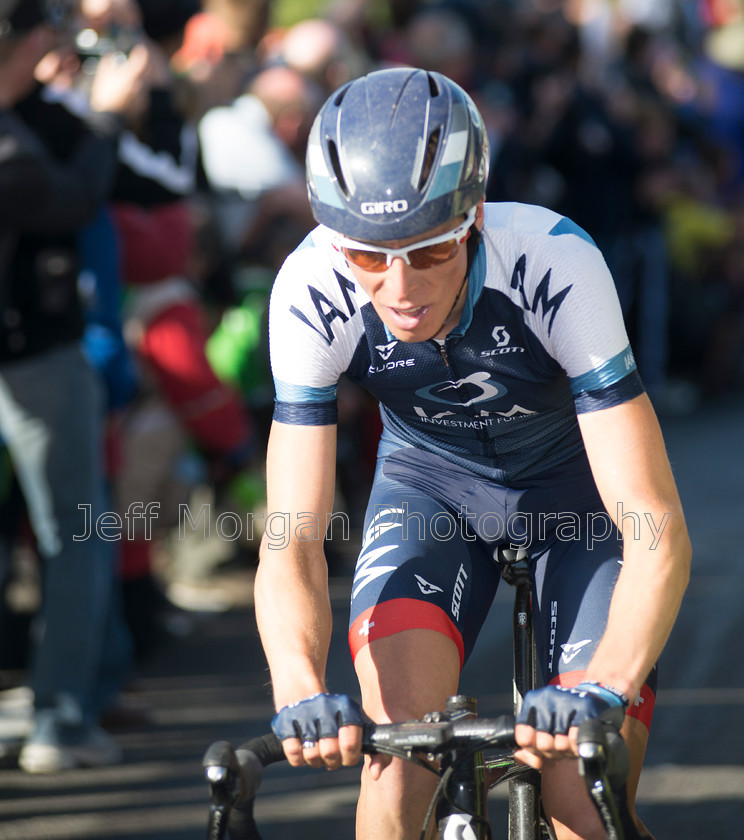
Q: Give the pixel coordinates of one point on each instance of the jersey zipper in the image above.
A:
(481, 433)
(443, 352)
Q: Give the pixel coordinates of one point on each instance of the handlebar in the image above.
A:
(234, 776)
(437, 737)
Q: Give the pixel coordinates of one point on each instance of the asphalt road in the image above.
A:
(212, 684)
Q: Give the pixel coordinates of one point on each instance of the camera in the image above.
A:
(92, 45)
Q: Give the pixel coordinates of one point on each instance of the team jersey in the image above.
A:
(541, 338)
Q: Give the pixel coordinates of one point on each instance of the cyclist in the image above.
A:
(513, 414)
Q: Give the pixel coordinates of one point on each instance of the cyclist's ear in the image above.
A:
(479, 215)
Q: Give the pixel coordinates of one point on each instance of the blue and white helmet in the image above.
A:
(394, 154)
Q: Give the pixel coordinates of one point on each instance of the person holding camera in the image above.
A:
(56, 171)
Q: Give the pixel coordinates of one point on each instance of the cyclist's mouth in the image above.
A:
(409, 318)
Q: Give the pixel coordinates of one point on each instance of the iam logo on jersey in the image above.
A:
(476, 388)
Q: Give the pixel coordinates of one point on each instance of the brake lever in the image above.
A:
(224, 778)
(604, 764)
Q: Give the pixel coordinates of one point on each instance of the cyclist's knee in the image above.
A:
(394, 805)
(407, 675)
(577, 824)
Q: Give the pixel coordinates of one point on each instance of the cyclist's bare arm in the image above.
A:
(630, 466)
(291, 590)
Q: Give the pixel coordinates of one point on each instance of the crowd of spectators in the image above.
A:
(152, 183)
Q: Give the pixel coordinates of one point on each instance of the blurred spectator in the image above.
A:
(440, 39)
(246, 19)
(723, 361)
(100, 286)
(253, 152)
(166, 318)
(586, 147)
(55, 174)
(218, 50)
(723, 71)
(321, 50)
(640, 259)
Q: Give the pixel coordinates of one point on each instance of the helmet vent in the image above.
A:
(340, 95)
(336, 166)
(468, 168)
(433, 86)
(429, 155)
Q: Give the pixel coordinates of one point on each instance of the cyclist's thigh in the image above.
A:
(574, 584)
(418, 570)
(575, 579)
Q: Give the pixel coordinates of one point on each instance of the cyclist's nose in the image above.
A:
(400, 278)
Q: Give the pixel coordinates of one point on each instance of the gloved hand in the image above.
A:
(316, 717)
(555, 709)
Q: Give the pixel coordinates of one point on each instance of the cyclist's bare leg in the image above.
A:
(564, 793)
(402, 677)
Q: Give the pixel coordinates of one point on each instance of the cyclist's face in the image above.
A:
(419, 304)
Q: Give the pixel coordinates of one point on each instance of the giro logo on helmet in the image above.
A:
(371, 208)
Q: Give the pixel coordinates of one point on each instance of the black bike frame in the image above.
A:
(465, 793)
(464, 799)
(524, 791)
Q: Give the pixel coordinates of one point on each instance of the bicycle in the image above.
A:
(469, 754)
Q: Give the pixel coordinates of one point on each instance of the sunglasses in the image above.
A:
(426, 253)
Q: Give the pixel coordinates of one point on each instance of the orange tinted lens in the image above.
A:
(367, 260)
(432, 255)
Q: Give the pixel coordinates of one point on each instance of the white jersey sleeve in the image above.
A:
(314, 327)
(563, 284)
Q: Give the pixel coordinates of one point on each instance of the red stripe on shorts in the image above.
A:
(642, 709)
(400, 614)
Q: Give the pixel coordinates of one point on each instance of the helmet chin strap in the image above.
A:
(472, 246)
(454, 304)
